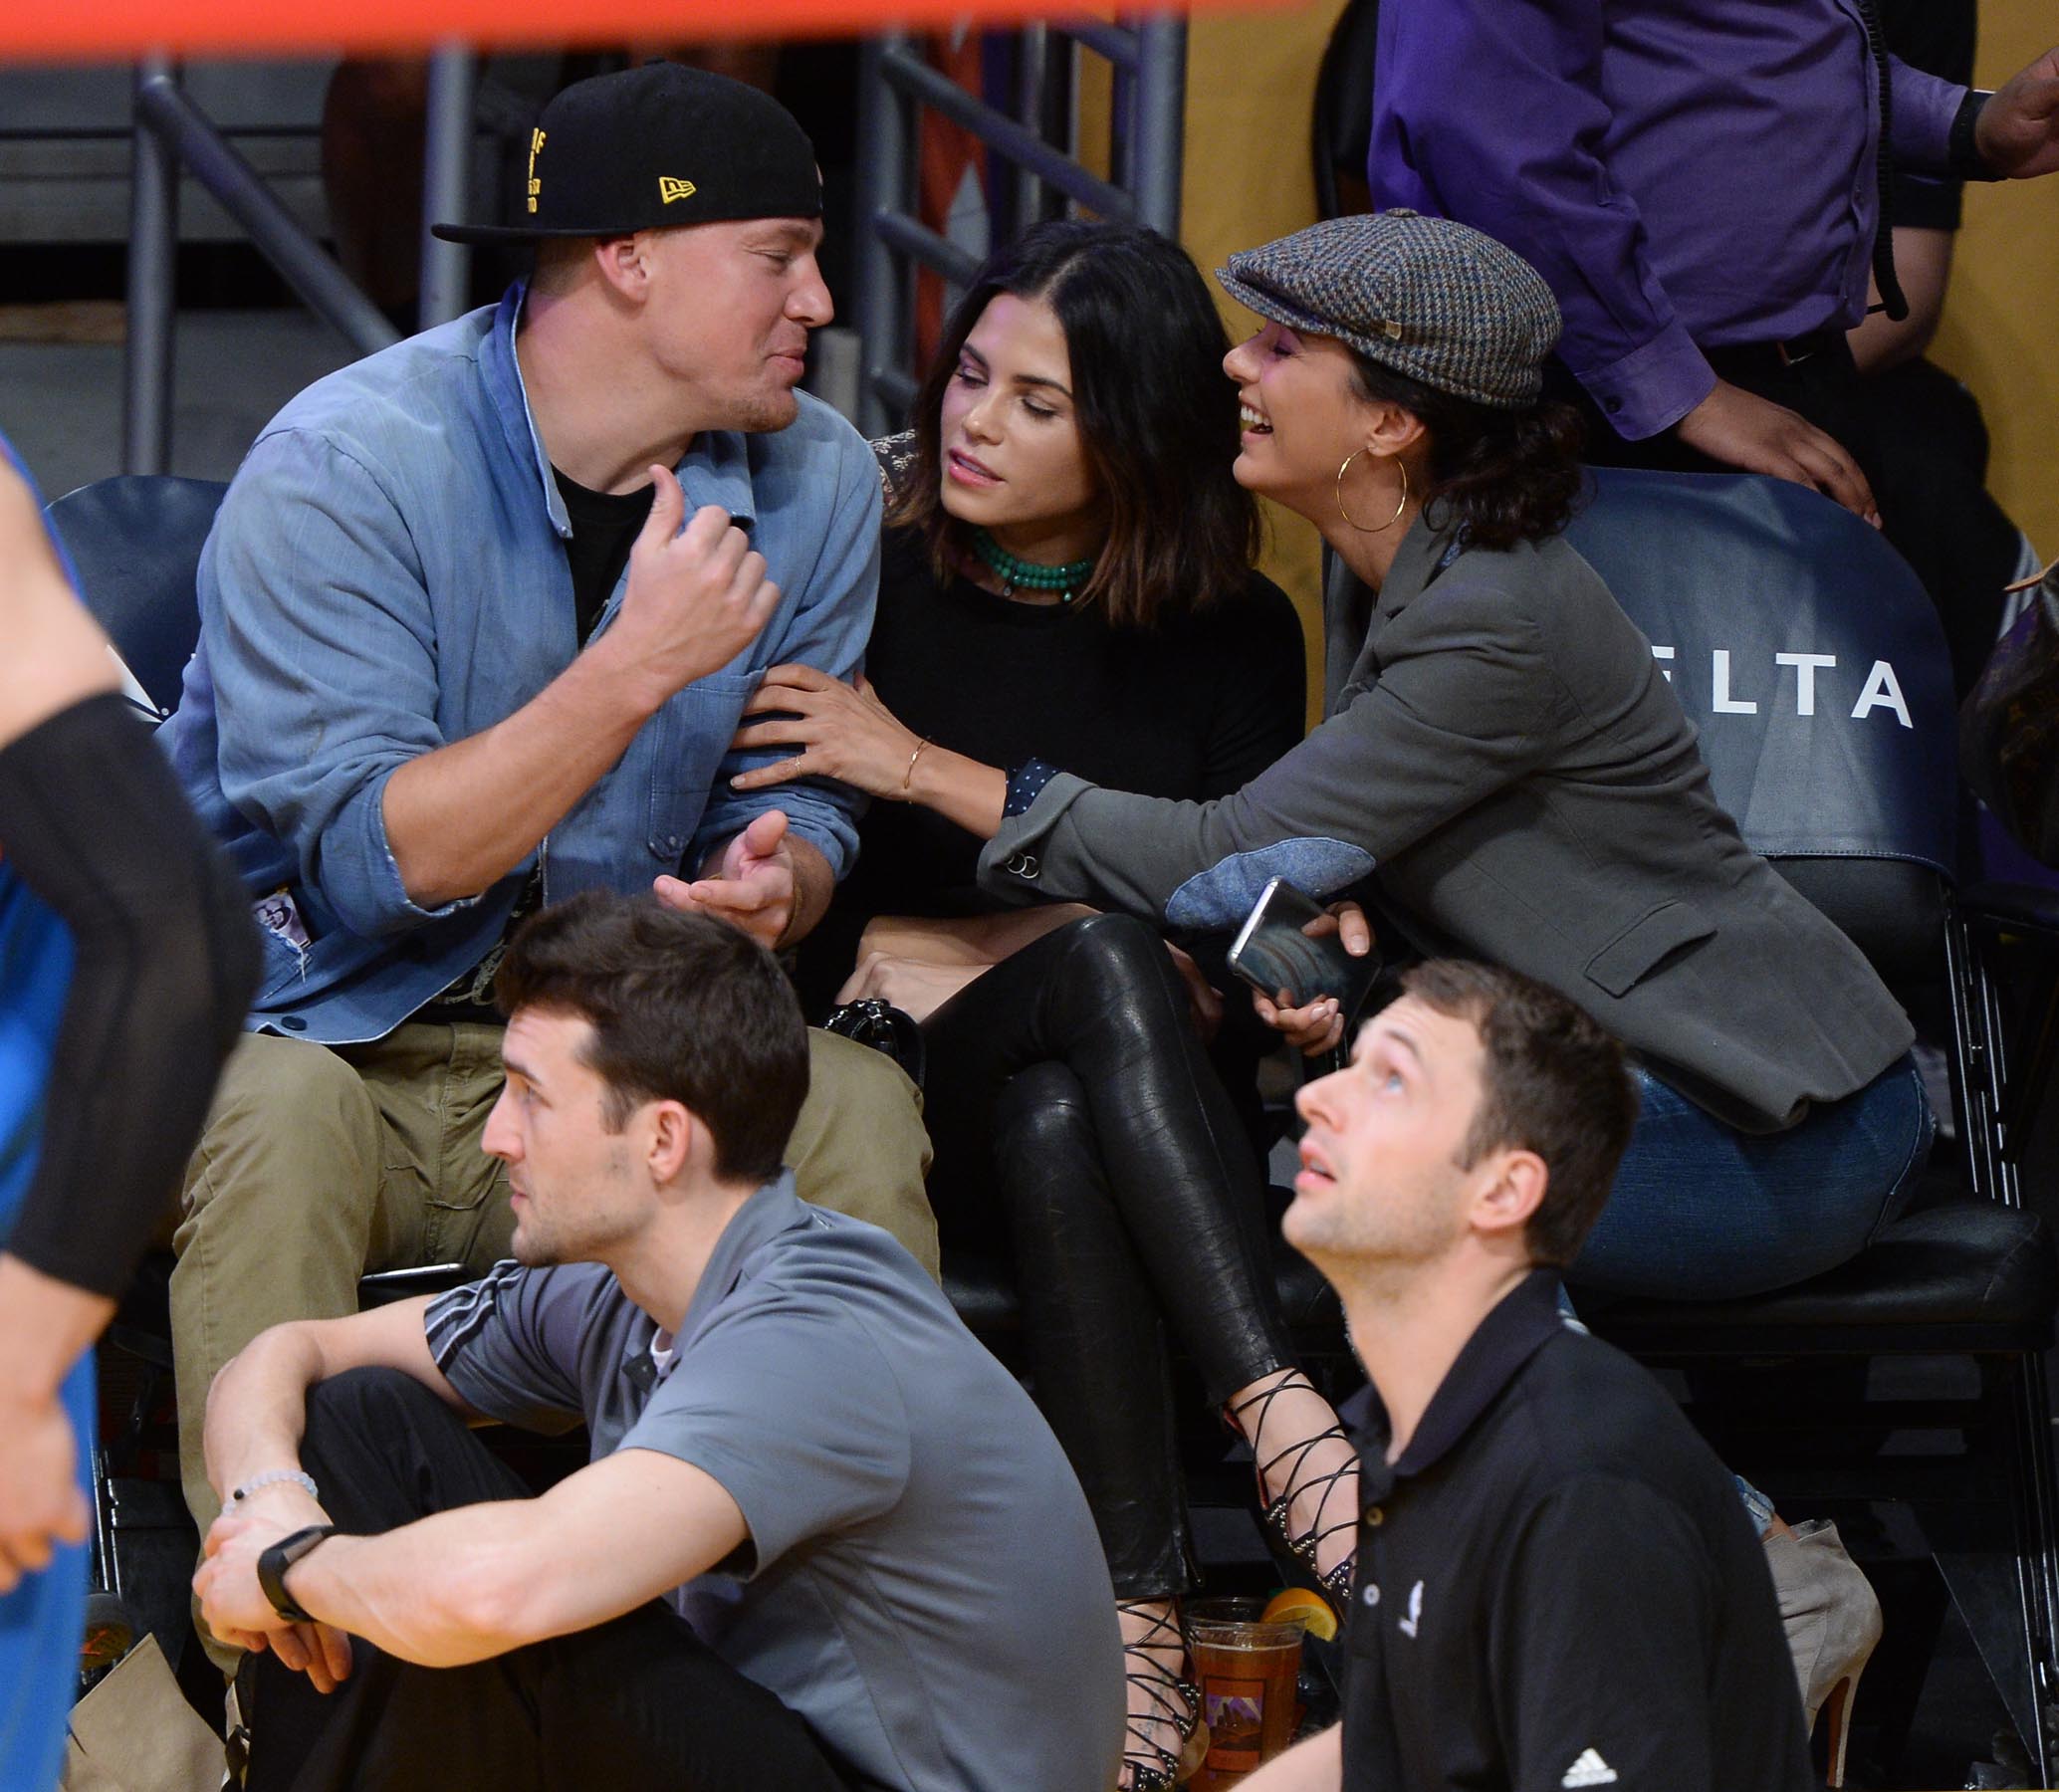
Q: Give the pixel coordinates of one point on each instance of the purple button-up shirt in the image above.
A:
(1685, 173)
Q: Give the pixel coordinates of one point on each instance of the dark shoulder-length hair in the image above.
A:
(1503, 476)
(1156, 417)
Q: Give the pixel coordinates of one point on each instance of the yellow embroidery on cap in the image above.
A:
(536, 186)
(670, 189)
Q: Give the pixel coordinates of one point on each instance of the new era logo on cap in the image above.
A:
(1589, 1770)
(670, 188)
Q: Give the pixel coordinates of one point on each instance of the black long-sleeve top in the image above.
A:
(1191, 710)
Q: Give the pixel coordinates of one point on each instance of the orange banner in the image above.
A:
(123, 30)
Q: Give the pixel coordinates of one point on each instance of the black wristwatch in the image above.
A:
(1962, 159)
(273, 1563)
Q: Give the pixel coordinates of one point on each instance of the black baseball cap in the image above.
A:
(653, 147)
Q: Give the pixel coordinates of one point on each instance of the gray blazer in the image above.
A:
(1501, 747)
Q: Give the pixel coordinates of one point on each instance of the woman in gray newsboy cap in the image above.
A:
(1500, 747)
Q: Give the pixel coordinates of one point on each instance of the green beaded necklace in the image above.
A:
(1027, 575)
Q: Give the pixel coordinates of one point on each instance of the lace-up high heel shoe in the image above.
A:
(1832, 1621)
(1300, 1551)
(1172, 1703)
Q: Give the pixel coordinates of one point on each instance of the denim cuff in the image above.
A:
(1756, 1504)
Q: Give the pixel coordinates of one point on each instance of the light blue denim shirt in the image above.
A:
(388, 574)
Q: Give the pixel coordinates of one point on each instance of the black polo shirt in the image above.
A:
(1557, 1585)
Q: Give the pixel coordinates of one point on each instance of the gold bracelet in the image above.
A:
(908, 776)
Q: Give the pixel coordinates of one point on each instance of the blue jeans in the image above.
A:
(1703, 1211)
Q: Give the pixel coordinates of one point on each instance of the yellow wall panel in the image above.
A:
(1250, 101)
(2001, 331)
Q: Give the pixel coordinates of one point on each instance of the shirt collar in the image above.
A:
(1521, 1323)
(771, 1209)
(774, 1208)
(716, 468)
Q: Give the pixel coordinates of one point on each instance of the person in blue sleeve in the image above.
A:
(126, 959)
(479, 617)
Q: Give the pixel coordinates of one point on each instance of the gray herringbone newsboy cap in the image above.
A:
(1433, 299)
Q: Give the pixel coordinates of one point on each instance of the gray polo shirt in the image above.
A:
(923, 1582)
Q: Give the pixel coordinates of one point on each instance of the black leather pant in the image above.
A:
(1081, 1133)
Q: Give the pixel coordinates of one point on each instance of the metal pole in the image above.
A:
(999, 132)
(446, 183)
(922, 244)
(884, 158)
(154, 231)
(1033, 72)
(1158, 130)
(323, 286)
(1115, 42)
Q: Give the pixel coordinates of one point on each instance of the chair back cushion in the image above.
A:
(135, 541)
(1802, 647)
(1808, 656)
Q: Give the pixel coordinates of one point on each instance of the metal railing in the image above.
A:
(1149, 58)
(171, 135)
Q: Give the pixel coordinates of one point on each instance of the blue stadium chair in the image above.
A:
(135, 543)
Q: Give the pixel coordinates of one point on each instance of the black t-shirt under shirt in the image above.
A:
(604, 526)
(1194, 710)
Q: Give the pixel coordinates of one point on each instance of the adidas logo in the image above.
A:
(1589, 1770)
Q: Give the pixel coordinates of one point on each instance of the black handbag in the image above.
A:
(875, 1021)
(2009, 726)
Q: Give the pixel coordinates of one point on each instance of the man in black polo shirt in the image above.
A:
(1557, 1585)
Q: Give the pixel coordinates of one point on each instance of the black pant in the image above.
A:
(1918, 438)
(1080, 1132)
(636, 1702)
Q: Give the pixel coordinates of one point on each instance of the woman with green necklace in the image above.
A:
(1067, 575)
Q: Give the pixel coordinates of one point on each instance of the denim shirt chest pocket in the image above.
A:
(688, 741)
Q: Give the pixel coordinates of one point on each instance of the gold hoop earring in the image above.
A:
(1400, 466)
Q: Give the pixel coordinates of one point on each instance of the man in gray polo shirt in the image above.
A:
(824, 1539)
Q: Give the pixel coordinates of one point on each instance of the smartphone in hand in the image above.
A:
(1291, 941)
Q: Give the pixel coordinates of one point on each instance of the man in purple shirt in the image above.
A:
(1699, 183)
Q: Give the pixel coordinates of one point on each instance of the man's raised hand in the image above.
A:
(696, 597)
(752, 888)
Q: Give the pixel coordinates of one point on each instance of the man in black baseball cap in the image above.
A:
(479, 617)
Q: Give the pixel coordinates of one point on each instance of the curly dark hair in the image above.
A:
(1503, 476)
(1157, 417)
